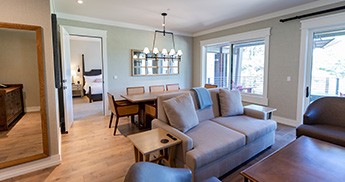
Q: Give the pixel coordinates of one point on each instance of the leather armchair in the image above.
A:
(147, 171)
(324, 119)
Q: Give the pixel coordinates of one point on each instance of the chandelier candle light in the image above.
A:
(155, 51)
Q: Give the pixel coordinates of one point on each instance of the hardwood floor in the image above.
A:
(24, 139)
(91, 153)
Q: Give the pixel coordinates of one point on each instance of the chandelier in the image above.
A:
(155, 50)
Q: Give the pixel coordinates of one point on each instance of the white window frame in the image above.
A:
(309, 26)
(235, 38)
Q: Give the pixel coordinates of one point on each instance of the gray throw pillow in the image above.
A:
(230, 102)
(181, 112)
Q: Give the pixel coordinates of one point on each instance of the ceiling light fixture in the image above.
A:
(155, 50)
(80, 1)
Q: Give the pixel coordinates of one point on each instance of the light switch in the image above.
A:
(288, 78)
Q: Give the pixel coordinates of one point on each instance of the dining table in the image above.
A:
(142, 99)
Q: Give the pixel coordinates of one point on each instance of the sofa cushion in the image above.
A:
(328, 133)
(230, 102)
(252, 128)
(181, 113)
(211, 142)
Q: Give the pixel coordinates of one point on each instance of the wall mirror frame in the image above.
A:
(42, 95)
(154, 64)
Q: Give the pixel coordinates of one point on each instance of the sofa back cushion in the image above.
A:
(161, 115)
(181, 112)
(230, 102)
(204, 114)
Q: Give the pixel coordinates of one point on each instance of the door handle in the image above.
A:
(307, 92)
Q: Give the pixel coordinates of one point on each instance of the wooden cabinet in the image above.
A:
(11, 105)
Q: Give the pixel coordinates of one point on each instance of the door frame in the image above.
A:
(307, 28)
(103, 35)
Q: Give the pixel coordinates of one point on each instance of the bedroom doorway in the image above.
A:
(86, 72)
(74, 73)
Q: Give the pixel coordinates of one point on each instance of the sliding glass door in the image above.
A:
(327, 77)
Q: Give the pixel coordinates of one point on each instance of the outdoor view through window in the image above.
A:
(328, 64)
(248, 60)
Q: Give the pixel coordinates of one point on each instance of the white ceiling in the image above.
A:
(187, 16)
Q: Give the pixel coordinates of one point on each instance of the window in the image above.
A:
(218, 65)
(239, 62)
(248, 62)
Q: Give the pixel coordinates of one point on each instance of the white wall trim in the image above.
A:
(32, 109)
(324, 21)
(254, 99)
(25, 168)
(308, 26)
(238, 37)
(268, 16)
(286, 121)
(103, 34)
(113, 23)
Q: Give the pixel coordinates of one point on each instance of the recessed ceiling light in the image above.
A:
(80, 1)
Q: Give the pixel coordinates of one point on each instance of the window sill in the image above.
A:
(255, 99)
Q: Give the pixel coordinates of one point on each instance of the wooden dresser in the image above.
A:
(11, 105)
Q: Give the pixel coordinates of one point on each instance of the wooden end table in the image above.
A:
(266, 110)
(305, 159)
(147, 142)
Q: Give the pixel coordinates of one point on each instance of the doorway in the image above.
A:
(86, 71)
(71, 74)
(322, 60)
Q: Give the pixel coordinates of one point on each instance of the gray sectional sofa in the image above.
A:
(217, 144)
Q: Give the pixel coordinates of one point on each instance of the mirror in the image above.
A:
(151, 64)
(23, 117)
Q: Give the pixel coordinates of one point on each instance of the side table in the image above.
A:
(77, 90)
(266, 110)
(145, 143)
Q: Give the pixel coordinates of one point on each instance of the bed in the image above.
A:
(92, 83)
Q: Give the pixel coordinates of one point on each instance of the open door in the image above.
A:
(66, 77)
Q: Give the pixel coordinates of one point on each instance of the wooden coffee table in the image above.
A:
(305, 159)
(148, 142)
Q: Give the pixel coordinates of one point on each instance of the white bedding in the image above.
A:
(96, 88)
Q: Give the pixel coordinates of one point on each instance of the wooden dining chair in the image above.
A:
(207, 86)
(121, 109)
(172, 87)
(156, 88)
(151, 108)
(135, 90)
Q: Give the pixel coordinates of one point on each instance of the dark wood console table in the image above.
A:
(11, 105)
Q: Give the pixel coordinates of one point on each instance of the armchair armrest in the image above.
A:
(187, 142)
(259, 112)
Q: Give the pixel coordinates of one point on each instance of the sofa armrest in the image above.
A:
(259, 112)
(187, 142)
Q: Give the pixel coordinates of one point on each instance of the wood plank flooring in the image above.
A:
(91, 153)
(24, 139)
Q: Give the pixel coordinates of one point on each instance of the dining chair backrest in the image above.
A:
(210, 86)
(157, 88)
(112, 103)
(135, 90)
(172, 87)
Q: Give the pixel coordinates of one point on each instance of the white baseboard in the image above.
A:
(32, 109)
(286, 121)
(29, 167)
